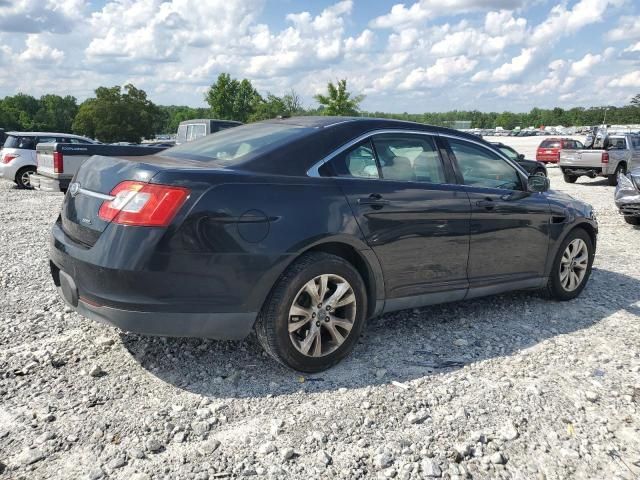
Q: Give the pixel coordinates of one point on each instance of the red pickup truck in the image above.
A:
(549, 149)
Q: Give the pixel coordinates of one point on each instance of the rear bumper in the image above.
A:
(579, 171)
(121, 284)
(547, 158)
(222, 326)
(41, 182)
(8, 171)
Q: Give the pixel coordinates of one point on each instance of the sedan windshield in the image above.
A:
(238, 144)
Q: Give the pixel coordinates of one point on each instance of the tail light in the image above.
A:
(605, 157)
(7, 157)
(143, 204)
(58, 162)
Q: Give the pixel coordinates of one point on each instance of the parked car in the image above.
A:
(549, 150)
(620, 152)
(531, 166)
(627, 196)
(57, 163)
(190, 130)
(303, 228)
(18, 155)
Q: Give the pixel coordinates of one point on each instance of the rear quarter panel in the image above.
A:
(245, 230)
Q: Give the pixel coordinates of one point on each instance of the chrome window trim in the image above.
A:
(314, 170)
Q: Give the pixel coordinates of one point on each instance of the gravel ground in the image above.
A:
(511, 386)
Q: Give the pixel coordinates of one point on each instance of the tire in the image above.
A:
(539, 172)
(612, 180)
(570, 178)
(273, 323)
(632, 220)
(557, 287)
(22, 178)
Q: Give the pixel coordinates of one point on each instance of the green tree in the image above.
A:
(635, 101)
(55, 114)
(117, 114)
(231, 99)
(338, 100)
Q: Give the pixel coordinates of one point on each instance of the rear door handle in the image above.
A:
(374, 200)
(487, 203)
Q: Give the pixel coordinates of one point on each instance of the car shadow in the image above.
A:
(396, 347)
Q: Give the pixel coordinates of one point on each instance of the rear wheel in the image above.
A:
(22, 177)
(612, 180)
(314, 314)
(572, 266)
(570, 178)
(632, 220)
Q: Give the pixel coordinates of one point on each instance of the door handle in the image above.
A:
(487, 204)
(374, 200)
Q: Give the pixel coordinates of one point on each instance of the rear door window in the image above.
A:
(550, 144)
(46, 139)
(409, 158)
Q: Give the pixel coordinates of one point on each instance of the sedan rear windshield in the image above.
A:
(13, 141)
(235, 145)
(550, 144)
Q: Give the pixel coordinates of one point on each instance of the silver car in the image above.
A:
(627, 196)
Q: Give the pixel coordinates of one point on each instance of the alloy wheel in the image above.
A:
(322, 315)
(574, 264)
(25, 180)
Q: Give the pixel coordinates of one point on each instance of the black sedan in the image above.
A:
(303, 228)
(532, 167)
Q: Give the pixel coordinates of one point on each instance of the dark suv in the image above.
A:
(303, 228)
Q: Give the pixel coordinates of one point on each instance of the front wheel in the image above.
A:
(22, 177)
(572, 266)
(612, 180)
(570, 178)
(314, 314)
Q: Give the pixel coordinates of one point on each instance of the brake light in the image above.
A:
(605, 157)
(7, 157)
(58, 162)
(143, 204)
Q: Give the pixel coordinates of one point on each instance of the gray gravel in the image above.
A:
(511, 386)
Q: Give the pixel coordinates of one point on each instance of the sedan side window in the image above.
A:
(482, 168)
(357, 162)
(409, 158)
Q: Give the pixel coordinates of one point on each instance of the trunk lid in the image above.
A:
(91, 186)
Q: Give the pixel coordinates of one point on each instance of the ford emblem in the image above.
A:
(74, 189)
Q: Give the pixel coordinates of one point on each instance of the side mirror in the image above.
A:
(521, 156)
(538, 184)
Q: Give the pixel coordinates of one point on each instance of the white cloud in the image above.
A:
(362, 42)
(633, 48)
(582, 67)
(508, 70)
(631, 79)
(39, 51)
(627, 27)
(439, 73)
(501, 30)
(33, 16)
(418, 12)
(562, 22)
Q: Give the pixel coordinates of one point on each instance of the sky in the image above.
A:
(418, 56)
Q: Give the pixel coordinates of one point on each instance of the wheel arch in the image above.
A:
(359, 255)
(590, 229)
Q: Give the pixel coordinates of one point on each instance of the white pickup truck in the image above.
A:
(617, 156)
(57, 163)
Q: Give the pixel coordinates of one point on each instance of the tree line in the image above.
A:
(126, 114)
